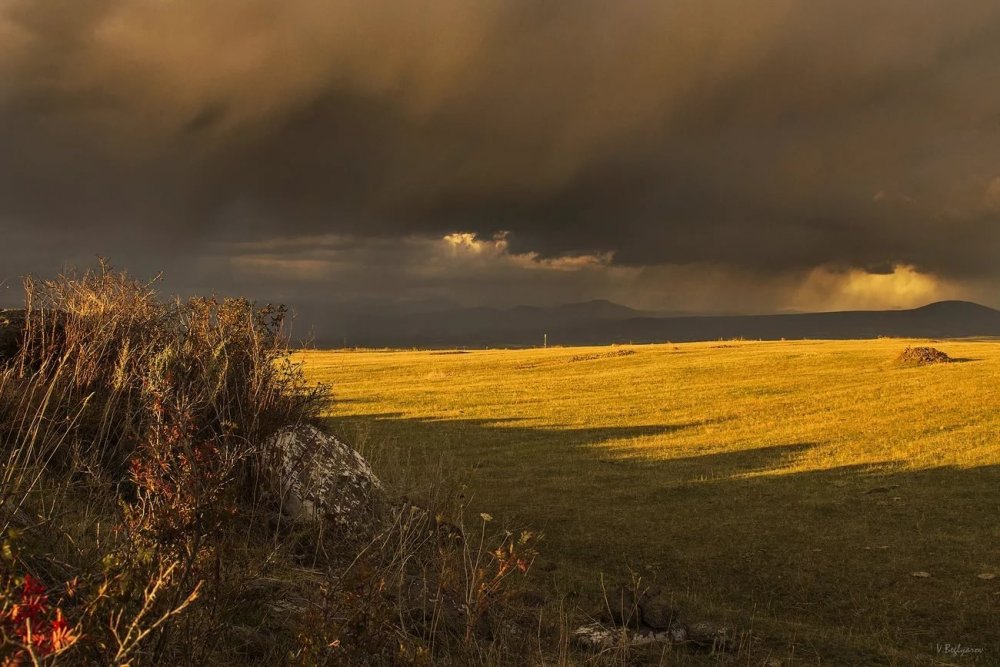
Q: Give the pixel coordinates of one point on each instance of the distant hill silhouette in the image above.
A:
(604, 322)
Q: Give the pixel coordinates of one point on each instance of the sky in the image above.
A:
(672, 155)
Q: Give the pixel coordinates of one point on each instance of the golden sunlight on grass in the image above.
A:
(794, 486)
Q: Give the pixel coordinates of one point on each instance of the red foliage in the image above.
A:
(31, 624)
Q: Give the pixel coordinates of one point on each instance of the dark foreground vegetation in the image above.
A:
(138, 518)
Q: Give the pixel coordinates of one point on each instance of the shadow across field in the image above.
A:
(819, 560)
(489, 432)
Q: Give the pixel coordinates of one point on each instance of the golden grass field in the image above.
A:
(792, 488)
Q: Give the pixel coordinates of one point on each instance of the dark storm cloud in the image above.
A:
(771, 137)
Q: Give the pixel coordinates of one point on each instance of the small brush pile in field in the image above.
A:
(922, 356)
(602, 355)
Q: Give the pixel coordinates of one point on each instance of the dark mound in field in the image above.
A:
(602, 355)
(923, 356)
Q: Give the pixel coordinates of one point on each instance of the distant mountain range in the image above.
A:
(604, 322)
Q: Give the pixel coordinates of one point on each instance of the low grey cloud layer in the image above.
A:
(667, 154)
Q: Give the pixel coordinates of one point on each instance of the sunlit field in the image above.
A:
(801, 490)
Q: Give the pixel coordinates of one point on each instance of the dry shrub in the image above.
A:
(131, 435)
(112, 343)
(426, 591)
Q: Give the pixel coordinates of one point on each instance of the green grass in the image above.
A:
(790, 487)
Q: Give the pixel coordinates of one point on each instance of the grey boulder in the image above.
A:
(319, 478)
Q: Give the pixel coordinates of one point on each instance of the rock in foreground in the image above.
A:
(632, 619)
(319, 478)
